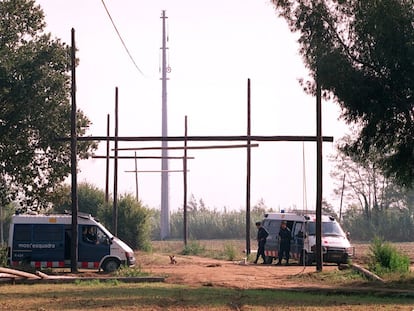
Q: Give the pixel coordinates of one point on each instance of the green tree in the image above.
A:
(362, 53)
(91, 199)
(328, 209)
(374, 204)
(6, 213)
(34, 106)
(133, 222)
(361, 182)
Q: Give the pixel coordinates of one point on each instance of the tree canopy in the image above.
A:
(362, 55)
(35, 106)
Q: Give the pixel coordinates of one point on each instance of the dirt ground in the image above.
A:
(196, 271)
(199, 271)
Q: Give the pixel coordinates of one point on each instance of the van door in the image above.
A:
(48, 242)
(297, 239)
(272, 242)
(93, 244)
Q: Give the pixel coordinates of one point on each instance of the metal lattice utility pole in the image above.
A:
(165, 210)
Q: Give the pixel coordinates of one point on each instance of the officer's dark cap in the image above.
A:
(258, 223)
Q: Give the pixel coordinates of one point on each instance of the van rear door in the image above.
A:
(272, 242)
(296, 247)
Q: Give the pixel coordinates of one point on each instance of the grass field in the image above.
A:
(160, 296)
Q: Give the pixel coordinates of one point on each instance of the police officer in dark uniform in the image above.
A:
(284, 243)
(261, 241)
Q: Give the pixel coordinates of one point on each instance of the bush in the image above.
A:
(3, 256)
(193, 248)
(125, 271)
(90, 199)
(385, 258)
(133, 222)
(230, 251)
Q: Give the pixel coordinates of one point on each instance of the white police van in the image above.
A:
(336, 247)
(44, 241)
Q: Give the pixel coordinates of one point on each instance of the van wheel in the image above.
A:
(111, 265)
(268, 260)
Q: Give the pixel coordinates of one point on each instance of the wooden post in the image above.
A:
(318, 177)
(115, 208)
(342, 196)
(136, 177)
(248, 171)
(107, 161)
(73, 134)
(185, 185)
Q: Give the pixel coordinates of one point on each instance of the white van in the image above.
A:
(45, 241)
(336, 247)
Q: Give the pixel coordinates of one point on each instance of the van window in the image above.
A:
(89, 234)
(272, 226)
(22, 232)
(101, 236)
(49, 233)
(328, 228)
(93, 234)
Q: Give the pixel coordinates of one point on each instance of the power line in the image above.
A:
(120, 38)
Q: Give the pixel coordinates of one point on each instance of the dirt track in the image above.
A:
(199, 271)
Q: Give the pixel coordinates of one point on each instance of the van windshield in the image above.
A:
(107, 232)
(328, 229)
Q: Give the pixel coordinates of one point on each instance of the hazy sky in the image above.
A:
(214, 47)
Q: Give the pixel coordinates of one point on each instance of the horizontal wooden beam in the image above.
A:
(140, 157)
(157, 171)
(190, 147)
(201, 138)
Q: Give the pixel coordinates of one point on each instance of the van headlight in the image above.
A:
(130, 258)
